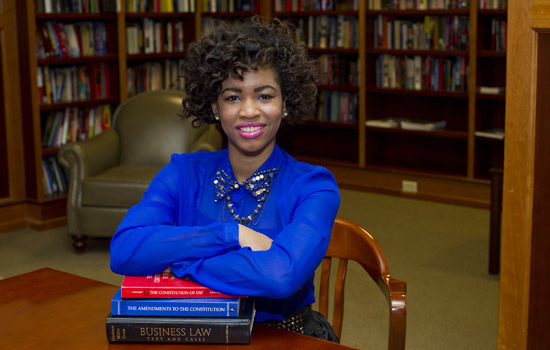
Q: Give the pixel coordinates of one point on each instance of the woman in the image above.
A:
(250, 219)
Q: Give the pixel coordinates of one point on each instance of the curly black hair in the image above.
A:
(240, 46)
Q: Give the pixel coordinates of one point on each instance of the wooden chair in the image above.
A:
(350, 241)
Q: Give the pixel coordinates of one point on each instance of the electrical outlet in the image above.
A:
(409, 186)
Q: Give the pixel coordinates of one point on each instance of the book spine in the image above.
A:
(143, 307)
(140, 292)
(162, 330)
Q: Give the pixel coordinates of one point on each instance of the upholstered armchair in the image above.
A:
(109, 173)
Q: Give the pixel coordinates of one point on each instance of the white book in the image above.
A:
(74, 48)
(385, 122)
(496, 133)
(423, 125)
(418, 72)
(493, 90)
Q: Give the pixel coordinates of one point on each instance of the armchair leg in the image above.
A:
(79, 243)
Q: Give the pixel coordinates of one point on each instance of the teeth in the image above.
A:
(250, 128)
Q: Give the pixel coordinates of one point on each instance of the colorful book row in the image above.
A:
(433, 33)
(76, 6)
(315, 5)
(493, 4)
(154, 76)
(422, 72)
(54, 178)
(214, 6)
(74, 124)
(418, 4)
(68, 84)
(56, 39)
(328, 32)
(149, 36)
(338, 70)
(337, 106)
(133, 6)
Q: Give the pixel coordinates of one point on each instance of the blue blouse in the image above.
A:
(178, 224)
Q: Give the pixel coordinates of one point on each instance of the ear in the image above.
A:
(214, 108)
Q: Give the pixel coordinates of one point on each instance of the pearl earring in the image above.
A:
(217, 116)
(285, 114)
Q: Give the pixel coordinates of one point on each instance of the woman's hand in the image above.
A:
(253, 239)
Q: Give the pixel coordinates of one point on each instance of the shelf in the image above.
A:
(491, 96)
(491, 54)
(72, 16)
(326, 161)
(229, 14)
(489, 12)
(77, 60)
(141, 15)
(155, 56)
(86, 103)
(329, 124)
(418, 52)
(418, 13)
(314, 13)
(348, 88)
(444, 134)
(451, 94)
(415, 172)
(340, 51)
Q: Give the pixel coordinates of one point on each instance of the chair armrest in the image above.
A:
(92, 156)
(209, 141)
(395, 292)
(83, 159)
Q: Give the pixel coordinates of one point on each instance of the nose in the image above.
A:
(249, 108)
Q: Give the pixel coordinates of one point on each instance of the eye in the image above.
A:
(231, 98)
(265, 97)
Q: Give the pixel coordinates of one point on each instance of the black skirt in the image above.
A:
(309, 322)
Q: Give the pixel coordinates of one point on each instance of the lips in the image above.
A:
(250, 131)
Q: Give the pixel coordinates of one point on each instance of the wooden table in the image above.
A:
(49, 309)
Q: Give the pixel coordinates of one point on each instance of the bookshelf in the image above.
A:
(451, 164)
(331, 33)
(69, 85)
(437, 63)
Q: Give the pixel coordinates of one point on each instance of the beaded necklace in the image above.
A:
(258, 185)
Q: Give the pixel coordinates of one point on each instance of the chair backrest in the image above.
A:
(150, 128)
(350, 241)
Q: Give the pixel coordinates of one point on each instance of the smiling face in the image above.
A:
(250, 113)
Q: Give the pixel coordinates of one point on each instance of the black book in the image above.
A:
(206, 330)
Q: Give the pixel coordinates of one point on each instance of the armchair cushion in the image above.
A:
(121, 186)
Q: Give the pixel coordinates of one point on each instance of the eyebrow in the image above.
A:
(259, 88)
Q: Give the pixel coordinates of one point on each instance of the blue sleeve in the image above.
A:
(294, 255)
(147, 242)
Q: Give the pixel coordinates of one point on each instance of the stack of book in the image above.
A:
(165, 309)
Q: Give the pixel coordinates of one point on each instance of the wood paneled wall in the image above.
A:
(12, 211)
(525, 268)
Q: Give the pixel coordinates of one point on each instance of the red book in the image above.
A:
(166, 285)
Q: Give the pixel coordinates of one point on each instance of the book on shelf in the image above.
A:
(385, 122)
(166, 285)
(494, 133)
(196, 307)
(423, 125)
(176, 329)
(491, 90)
